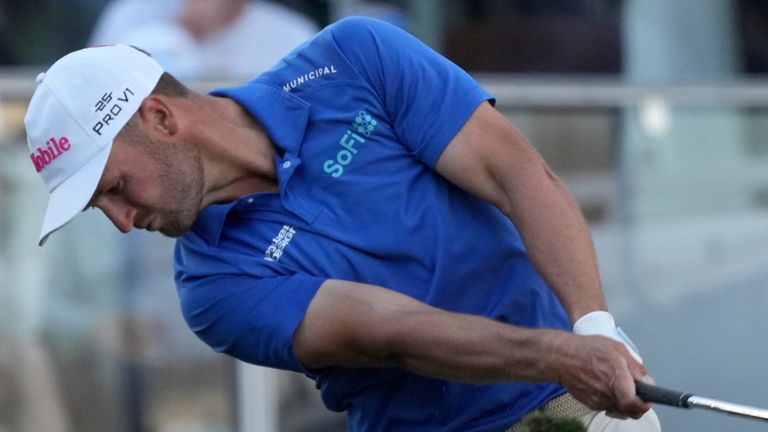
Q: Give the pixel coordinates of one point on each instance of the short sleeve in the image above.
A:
(250, 318)
(427, 97)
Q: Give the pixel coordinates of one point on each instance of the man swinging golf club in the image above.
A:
(379, 227)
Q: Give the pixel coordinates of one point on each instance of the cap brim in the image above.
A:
(71, 197)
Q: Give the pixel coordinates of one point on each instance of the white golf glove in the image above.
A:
(601, 323)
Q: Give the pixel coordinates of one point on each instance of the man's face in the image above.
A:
(149, 185)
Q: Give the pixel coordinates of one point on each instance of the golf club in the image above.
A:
(654, 394)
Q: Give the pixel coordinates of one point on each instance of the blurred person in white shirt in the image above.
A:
(233, 39)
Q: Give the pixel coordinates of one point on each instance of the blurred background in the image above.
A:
(654, 112)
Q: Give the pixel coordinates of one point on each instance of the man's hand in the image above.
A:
(600, 373)
(601, 323)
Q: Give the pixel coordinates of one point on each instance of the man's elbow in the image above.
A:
(375, 345)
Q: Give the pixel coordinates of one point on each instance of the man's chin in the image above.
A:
(174, 224)
(174, 231)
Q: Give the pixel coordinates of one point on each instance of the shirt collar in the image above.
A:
(283, 114)
(210, 221)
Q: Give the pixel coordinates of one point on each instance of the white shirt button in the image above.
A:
(287, 164)
(250, 200)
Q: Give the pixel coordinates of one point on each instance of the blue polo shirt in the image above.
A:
(360, 115)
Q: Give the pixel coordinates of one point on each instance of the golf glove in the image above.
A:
(601, 323)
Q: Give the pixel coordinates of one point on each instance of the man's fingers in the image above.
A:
(603, 376)
(631, 405)
(648, 380)
(626, 393)
(635, 368)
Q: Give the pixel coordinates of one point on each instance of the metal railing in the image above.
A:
(17, 84)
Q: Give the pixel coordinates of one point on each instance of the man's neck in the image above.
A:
(238, 155)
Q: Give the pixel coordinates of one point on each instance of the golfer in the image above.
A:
(361, 214)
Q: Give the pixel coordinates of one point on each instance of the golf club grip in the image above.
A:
(650, 393)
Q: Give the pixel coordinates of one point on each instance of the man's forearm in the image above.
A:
(596, 370)
(474, 349)
(349, 324)
(557, 239)
(383, 328)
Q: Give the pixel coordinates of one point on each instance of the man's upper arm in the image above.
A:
(250, 315)
(489, 157)
(350, 324)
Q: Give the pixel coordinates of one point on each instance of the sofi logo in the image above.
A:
(364, 125)
(54, 148)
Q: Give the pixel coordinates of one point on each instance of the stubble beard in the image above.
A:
(181, 191)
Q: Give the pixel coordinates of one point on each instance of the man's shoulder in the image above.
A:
(351, 29)
(355, 23)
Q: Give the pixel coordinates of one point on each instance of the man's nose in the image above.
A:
(120, 214)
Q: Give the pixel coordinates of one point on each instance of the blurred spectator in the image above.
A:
(33, 388)
(234, 39)
(122, 16)
(30, 393)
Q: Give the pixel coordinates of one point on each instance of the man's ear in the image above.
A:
(159, 116)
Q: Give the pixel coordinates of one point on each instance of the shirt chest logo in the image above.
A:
(363, 126)
(279, 243)
(309, 76)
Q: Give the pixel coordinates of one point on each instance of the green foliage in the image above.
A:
(545, 423)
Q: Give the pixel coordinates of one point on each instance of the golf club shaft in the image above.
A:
(650, 393)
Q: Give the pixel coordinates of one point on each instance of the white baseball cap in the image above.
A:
(79, 106)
